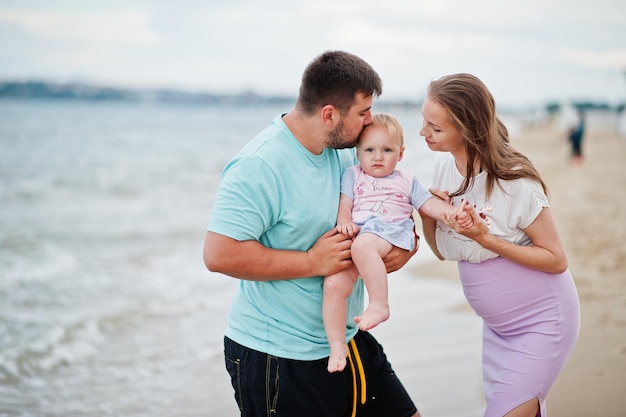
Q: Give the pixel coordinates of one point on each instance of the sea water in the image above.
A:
(106, 308)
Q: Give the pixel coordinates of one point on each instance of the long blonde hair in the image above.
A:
(472, 110)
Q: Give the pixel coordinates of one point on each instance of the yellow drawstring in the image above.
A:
(361, 371)
(353, 383)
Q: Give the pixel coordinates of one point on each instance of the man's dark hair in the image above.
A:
(335, 78)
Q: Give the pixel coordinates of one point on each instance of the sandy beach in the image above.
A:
(589, 210)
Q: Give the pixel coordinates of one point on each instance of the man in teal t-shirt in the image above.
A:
(272, 226)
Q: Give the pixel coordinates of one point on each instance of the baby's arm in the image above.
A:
(436, 208)
(344, 217)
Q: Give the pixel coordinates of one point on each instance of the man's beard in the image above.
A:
(337, 138)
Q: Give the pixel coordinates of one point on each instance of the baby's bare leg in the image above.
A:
(368, 251)
(337, 288)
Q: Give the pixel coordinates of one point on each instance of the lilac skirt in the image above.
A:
(531, 321)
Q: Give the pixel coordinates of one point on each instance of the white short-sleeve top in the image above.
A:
(511, 207)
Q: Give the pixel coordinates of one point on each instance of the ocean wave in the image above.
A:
(26, 258)
(61, 345)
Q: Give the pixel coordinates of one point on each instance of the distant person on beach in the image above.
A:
(621, 121)
(575, 135)
(375, 209)
(273, 227)
(512, 264)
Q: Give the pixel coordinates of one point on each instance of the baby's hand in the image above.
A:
(348, 229)
(479, 228)
(462, 217)
(465, 222)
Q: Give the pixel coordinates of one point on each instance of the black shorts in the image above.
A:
(269, 386)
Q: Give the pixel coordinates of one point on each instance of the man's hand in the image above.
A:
(330, 254)
(397, 257)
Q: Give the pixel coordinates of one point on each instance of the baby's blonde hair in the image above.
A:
(389, 123)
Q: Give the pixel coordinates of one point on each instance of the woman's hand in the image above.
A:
(545, 254)
(462, 217)
(475, 228)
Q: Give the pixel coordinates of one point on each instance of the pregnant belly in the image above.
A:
(508, 297)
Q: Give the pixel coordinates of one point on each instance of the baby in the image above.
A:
(375, 209)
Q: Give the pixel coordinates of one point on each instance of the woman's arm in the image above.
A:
(546, 254)
(428, 227)
(429, 223)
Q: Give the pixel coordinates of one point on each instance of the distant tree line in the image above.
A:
(79, 91)
(88, 92)
(584, 106)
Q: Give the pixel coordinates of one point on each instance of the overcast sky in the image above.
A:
(526, 51)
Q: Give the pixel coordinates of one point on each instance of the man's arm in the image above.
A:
(250, 260)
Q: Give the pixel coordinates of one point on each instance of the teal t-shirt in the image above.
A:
(278, 193)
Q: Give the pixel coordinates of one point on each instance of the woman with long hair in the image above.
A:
(512, 263)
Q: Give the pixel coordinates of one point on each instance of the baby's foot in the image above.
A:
(337, 359)
(375, 314)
